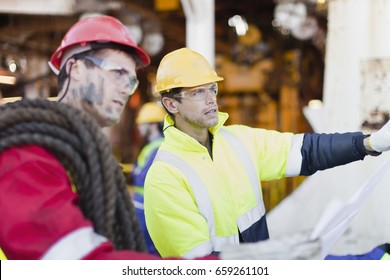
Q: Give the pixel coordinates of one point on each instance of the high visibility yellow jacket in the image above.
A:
(194, 204)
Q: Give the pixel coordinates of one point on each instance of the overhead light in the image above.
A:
(6, 100)
(290, 15)
(8, 80)
(136, 31)
(10, 63)
(315, 104)
(153, 43)
(239, 23)
(12, 66)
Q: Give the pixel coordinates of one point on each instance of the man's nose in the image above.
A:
(211, 96)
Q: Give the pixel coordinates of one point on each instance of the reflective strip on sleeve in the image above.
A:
(250, 217)
(220, 241)
(201, 250)
(216, 244)
(75, 245)
(294, 161)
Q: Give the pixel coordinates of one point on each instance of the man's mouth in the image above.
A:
(120, 103)
(211, 112)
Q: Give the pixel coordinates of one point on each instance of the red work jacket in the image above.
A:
(40, 215)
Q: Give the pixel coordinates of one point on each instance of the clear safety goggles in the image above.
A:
(117, 72)
(199, 93)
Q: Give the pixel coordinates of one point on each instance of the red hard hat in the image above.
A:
(96, 29)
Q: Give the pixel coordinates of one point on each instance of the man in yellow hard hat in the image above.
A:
(203, 190)
(150, 122)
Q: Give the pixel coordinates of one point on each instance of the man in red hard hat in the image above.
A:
(96, 32)
(104, 47)
(43, 218)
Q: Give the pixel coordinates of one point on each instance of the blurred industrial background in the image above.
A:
(271, 58)
(272, 54)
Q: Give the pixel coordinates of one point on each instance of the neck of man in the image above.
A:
(200, 134)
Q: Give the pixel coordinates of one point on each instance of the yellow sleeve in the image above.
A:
(270, 151)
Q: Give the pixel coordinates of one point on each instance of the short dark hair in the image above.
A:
(172, 93)
(63, 75)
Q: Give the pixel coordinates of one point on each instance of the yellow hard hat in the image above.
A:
(150, 112)
(184, 68)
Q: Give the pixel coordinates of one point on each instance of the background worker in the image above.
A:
(203, 190)
(150, 121)
(96, 65)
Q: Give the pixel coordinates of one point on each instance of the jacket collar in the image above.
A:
(175, 137)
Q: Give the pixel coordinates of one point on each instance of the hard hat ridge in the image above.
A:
(184, 68)
(94, 30)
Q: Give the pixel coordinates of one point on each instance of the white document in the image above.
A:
(338, 216)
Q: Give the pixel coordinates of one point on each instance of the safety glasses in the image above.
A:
(117, 72)
(199, 93)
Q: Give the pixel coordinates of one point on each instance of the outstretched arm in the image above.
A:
(312, 152)
(323, 151)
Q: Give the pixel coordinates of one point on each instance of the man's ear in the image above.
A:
(73, 68)
(170, 104)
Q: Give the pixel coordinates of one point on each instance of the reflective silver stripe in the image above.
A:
(138, 205)
(75, 245)
(294, 161)
(201, 195)
(216, 244)
(201, 250)
(249, 218)
(220, 241)
(255, 214)
(204, 202)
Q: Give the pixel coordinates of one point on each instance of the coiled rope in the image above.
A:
(77, 141)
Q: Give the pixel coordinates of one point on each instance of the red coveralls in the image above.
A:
(39, 210)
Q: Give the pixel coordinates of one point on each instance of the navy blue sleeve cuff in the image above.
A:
(323, 151)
